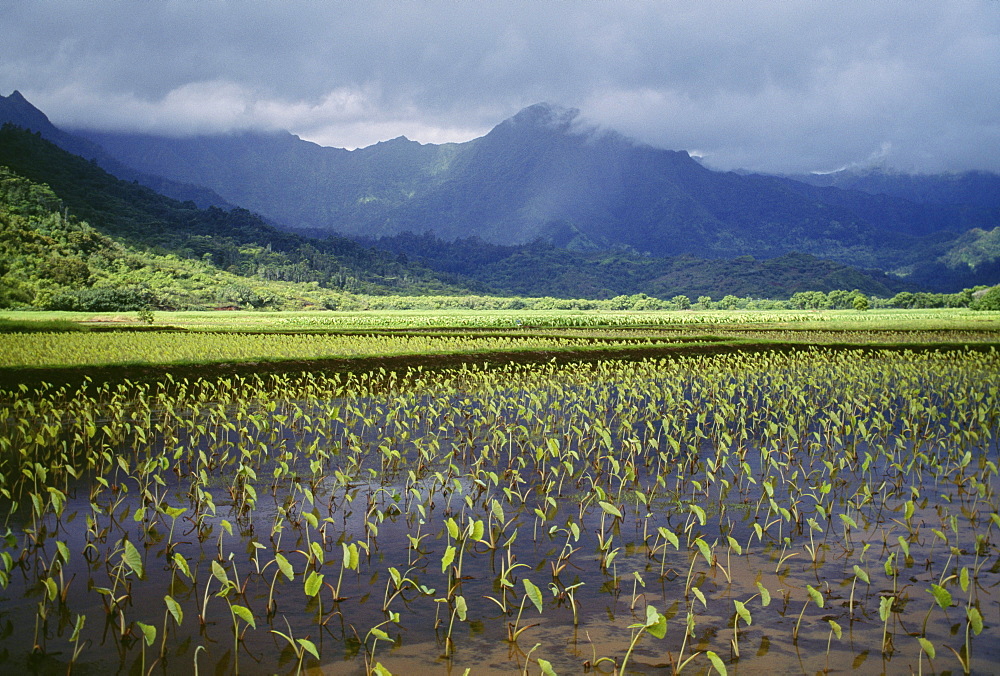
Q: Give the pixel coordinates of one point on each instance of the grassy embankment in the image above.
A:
(61, 345)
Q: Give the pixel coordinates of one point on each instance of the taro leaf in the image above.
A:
(835, 628)
(735, 545)
(148, 632)
(884, 607)
(461, 608)
(700, 513)
(379, 670)
(717, 662)
(317, 552)
(452, 528)
(534, 593)
(927, 646)
(741, 610)
(904, 545)
(478, 530)
(244, 614)
(861, 574)
(963, 579)
(765, 595)
(656, 623)
(182, 564)
(219, 572)
(497, 511)
(175, 609)
(51, 589)
(546, 667)
(705, 551)
(669, 536)
(610, 509)
(815, 595)
(64, 551)
(700, 595)
(311, 519)
(848, 521)
(941, 595)
(975, 619)
(308, 646)
(313, 583)
(449, 556)
(77, 628)
(284, 566)
(889, 570)
(132, 558)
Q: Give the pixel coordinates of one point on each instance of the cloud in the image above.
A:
(771, 84)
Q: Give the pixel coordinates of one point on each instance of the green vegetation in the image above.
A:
(786, 511)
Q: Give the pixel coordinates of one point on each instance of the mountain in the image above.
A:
(544, 205)
(142, 223)
(971, 188)
(17, 110)
(543, 174)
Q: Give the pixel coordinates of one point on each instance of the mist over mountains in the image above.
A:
(542, 177)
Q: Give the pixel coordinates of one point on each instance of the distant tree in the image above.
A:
(704, 302)
(681, 302)
(861, 302)
(988, 301)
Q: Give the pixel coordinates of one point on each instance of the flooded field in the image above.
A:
(796, 512)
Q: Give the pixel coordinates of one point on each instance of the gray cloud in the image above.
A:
(778, 85)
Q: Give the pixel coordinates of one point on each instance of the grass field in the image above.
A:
(54, 340)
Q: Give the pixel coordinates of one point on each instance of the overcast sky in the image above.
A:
(783, 85)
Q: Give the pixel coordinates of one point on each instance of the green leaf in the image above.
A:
(452, 528)
(963, 579)
(861, 574)
(244, 614)
(132, 558)
(77, 628)
(148, 632)
(765, 595)
(656, 623)
(317, 552)
(219, 572)
(742, 611)
(478, 529)
(175, 609)
(717, 662)
(927, 646)
(182, 564)
(546, 667)
(610, 509)
(379, 670)
(700, 513)
(884, 607)
(705, 551)
(308, 646)
(447, 558)
(835, 628)
(461, 608)
(941, 595)
(51, 589)
(700, 595)
(975, 619)
(669, 536)
(848, 521)
(284, 566)
(534, 593)
(313, 583)
(63, 550)
(815, 595)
